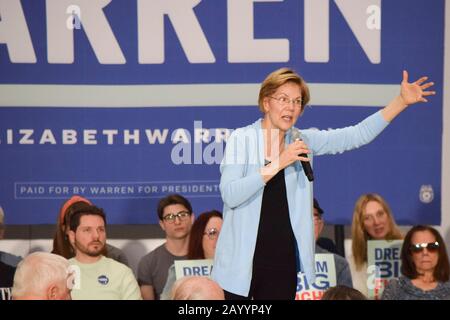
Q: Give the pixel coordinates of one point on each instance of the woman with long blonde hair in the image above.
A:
(372, 220)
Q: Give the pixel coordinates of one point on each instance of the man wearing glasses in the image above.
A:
(175, 218)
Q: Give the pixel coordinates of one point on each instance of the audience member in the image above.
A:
(343, 293)
(202, 243)
(425, 268)
(175, 218)
(323, 242)
(42, 276)
(343, 275)
(61, 244)
(5, 257)
(99, 277)
(197, 288)
(372, 220)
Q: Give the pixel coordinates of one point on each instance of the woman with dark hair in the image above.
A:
(61, 244)
(202, 243)
(425, 268)
(204, 234)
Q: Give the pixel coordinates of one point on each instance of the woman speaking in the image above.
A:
(267, 234)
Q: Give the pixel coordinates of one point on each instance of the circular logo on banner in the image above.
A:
(103, 279)
(426, 193)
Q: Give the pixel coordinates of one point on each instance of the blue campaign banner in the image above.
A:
(126, 101)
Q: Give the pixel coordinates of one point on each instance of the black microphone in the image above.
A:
(296, 136)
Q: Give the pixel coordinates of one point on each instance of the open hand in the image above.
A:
(416, 91)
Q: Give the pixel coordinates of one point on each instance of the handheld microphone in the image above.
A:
(296, 136)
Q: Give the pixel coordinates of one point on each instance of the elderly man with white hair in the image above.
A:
(42, 276)
(197, 288)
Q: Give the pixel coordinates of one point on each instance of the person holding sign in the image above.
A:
(202, 244)
(425, 268)
(267, 234)
(343, 275)
(372, 220)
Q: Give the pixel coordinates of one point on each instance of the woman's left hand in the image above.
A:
(415, 92)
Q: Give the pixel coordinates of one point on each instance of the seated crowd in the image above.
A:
(83, 266)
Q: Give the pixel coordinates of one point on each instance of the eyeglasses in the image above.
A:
(182, 215)
(212, 233)
(431, 247)
(285, 100)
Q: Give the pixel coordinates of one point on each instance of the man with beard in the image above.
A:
(98, 277)
(175, 218)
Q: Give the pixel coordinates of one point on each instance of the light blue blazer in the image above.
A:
(242, 186)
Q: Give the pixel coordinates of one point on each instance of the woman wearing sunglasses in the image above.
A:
(202, 243)
(425, 268)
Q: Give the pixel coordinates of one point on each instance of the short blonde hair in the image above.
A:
(278, 78)
(196, 288)
(360, 235)
(37, 271)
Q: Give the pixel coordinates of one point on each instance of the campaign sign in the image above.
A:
(383, 264)
(126, 101)
(198, 267)
(325, 278)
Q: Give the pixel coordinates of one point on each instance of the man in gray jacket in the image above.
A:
(343, 275)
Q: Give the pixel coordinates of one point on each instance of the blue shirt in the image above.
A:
(242, 186)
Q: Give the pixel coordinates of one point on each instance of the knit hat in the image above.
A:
(68, 203)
